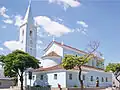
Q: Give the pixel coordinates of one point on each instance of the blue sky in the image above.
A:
(75, 22)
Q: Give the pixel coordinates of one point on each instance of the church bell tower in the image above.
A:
(28, 33)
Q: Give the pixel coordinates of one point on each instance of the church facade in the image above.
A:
(51, 72)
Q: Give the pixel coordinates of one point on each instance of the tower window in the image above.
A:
(30, 33)
(31, 50)
(23, 33)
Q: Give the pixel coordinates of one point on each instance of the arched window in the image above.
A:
(30, 33)
(106, 79)
(97, 78)
(91, 79)
(102, 79)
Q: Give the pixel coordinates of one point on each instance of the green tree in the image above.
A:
(115, 68)
(17, 62)
(71, 61)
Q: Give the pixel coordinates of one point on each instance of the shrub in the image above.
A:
(75, 86)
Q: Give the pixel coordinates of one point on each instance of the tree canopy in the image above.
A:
(17, 62)
(71, 61)
(112, 67)
(115, 68)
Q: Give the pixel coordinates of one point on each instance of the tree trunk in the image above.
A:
(21, 80)
(81, 81)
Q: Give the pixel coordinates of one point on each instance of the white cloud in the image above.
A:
(1, 49)
(81, 30)
(58, 19)
(66, 3)
(51, 27)
(18, 20)
(3, 12)
(8, 21)
(82, 23)
(13, 45)
(4, 27)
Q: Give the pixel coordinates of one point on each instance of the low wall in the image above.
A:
(79, 89)
(6, 83)
(18, 88)
(86, 89)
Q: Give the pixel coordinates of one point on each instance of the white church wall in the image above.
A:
(100, 75)
(49, 62)
(67, 51)
(87, 79)
(56, 48)
(61, 79)
(74, 81)
(50, 78)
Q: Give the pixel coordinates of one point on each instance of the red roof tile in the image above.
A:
(50, 68)
(57, 67)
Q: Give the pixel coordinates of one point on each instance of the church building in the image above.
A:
(51, 72)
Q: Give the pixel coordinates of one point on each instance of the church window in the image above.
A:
(91, 79)
(106, 79)
(70, 76)
(41, 77)
(97, 78)
(83, 77)
(31, 50)
(31, 33)
(55, 76)
(102, 79)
